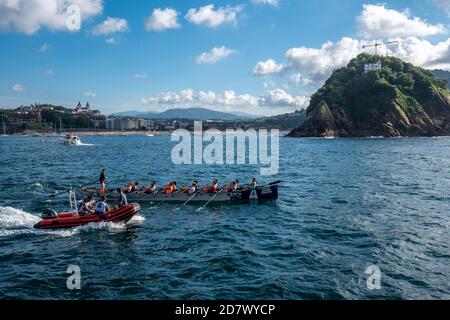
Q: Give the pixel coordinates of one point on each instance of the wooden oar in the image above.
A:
(81, 186)
(190, 198)
(156, 206)
(212, 198)
(269, 184)
(259, 187)
(160, 189)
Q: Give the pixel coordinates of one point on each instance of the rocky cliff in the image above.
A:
(400, 99)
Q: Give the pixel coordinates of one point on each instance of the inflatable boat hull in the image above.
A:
(70, 219)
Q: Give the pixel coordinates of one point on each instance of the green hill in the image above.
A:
(398, 100)
(442, 74)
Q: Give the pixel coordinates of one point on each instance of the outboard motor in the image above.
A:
(49, 214)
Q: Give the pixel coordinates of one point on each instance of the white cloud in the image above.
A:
(110, 26)
(269, 2)
(162, 19)
(44, 47)
(280, 98)
(444, 4)
(423, 53)
(315, 65)
(28, 16)
(90, 94)
(379, 21)
(268, 67)
(213, 18)
(319, 63)
(17, 88)
(140, 76)
(214, 55)
(297, 79)
(228, 100)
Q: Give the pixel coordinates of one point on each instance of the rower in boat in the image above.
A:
(190, 188)
(170, 188)
(150, 189)
(84, 207)
(211, 188)
(131, 187)
(232, 187)
(250, 186)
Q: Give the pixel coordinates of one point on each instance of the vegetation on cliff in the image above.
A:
(400, 99)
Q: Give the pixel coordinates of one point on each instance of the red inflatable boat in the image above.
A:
(70, 219)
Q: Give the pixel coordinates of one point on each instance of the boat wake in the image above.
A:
(14, 222)
(12, 218)
(81, 144)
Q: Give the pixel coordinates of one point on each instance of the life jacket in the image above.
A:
(100, 207)
(213, 188)
(169, 189)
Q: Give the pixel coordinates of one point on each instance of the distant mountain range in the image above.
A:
(188, 113)
(443, 75)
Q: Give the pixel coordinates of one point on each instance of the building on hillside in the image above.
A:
(82, 110)
(372, 66)
(20, 118)
(25, 114)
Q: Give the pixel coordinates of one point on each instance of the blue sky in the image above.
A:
(257, 56)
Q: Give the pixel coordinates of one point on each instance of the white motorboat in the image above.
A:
(71, 140)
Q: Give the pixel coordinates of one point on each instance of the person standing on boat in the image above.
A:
(101, 207)
(122, 201)
(102, 180)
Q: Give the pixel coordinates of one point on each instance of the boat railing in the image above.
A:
(73, 201)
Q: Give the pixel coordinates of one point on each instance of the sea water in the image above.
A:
(344, 205)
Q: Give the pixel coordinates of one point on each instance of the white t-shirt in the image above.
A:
(191, 189)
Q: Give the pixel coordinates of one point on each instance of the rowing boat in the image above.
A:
(267, 192)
